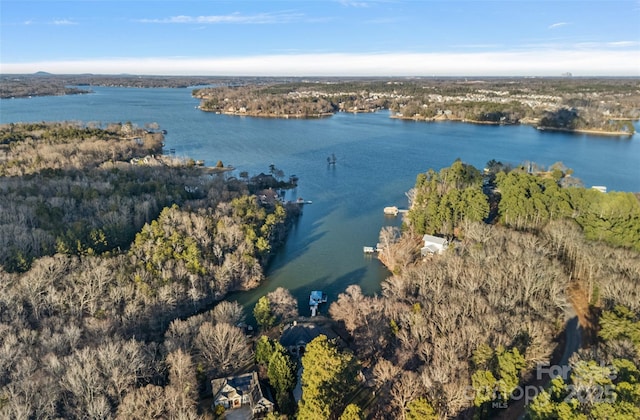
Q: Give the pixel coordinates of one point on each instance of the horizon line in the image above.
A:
(566, 75)
(579, 62)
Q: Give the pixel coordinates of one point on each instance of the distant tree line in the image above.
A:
(46, 84)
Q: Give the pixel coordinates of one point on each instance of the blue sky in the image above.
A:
(322, 37)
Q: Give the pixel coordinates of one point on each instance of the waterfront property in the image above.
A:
(433, 245)
(296, 336)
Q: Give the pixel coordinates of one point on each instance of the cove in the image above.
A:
(378, 159)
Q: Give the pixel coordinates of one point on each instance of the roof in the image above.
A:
(430, 249)
(316, 297)
(234, 385)
(434, 240)
(302, 334)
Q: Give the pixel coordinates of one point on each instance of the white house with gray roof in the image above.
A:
(433, 245)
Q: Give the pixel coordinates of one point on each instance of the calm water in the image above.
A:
(378, 159)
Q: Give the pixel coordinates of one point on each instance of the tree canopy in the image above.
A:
(328, 378)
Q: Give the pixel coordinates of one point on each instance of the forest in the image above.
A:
(462, 334)
(107, 247)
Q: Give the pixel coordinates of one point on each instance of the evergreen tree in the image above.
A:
(264, 350)
(352, 412)
(282, 376)
(262, 313)
(328, 378)
(420, 409)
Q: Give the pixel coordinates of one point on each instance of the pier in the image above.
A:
(372, 249)
(394, 211)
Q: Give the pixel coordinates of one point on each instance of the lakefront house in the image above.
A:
(433, 245)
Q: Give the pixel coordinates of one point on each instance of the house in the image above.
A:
(433, 245)
(268, 196)
(296, 336)
(241, 391)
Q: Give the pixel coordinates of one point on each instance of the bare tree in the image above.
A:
(405, 390)
(182, 392)
(148, 402)
(223, 347)
(122, 364)
(83, 382)
(228, 312)
(385, 372)
(283, 305)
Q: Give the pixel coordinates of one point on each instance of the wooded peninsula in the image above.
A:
(591, 106)
(116, 261)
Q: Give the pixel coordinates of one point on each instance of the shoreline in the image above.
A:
(269, 115)
(594, 132)
(586, 131)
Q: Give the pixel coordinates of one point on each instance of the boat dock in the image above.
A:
(394, 211)
(372, 249)
(315, 299)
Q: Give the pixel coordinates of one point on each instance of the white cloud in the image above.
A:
(558, 25)
(353, 3)
(624, 44)
(236, 18)
(64, 22)
(530, 63)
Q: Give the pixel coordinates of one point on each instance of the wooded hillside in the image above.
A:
(109, 249)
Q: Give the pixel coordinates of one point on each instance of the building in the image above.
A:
(315, 299)
(296, 336)
(433, 245)
(391, 210)
(236, 392)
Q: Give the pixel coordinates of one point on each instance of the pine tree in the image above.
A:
(328, 377)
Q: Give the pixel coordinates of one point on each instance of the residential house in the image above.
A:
(296, 336)
(241, 391)
(433, 245)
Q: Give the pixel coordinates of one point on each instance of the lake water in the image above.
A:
(378, 159)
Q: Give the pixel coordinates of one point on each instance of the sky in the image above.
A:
(321, 37)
